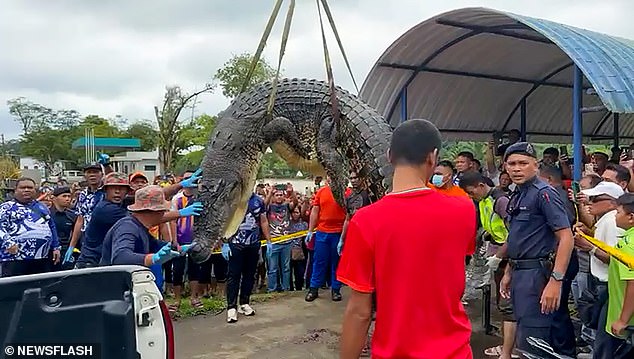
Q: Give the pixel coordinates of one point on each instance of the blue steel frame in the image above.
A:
(577, 122)
(502, 30)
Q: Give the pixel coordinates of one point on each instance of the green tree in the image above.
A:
(145, 132)
(171, 132)
(233, 74)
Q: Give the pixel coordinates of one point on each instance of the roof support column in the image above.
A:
(404, 104)
(523, 120)
(577, 123)
(615, 120)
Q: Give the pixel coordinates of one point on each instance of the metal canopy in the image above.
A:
(470, 70)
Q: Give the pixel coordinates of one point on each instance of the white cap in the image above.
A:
(604, 188)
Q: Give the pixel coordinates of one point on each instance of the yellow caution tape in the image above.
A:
(622, 257)
(279, 239)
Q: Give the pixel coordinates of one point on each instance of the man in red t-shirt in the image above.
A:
(418, 311)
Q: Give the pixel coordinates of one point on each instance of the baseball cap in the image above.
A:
(604, 188)
(92, 166)
(137, 174)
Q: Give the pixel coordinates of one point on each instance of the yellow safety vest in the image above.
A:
(492, 223)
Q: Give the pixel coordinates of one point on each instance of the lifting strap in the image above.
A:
(331, 81)
(336, 33)
(258, 52)
(287, 28)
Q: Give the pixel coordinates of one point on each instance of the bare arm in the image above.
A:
(345, 228)
(294, 201)
(76, 231)
(628, 302)
(314, 217)
(565, 246)
(356, 322)
(264, 224)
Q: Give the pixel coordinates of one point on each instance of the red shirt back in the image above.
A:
(409, 248)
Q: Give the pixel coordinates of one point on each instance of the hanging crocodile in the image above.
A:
(301, 128)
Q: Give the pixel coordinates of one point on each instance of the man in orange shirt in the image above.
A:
(327, 217)
(442, 180)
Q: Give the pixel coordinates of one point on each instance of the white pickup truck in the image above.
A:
(119, 308)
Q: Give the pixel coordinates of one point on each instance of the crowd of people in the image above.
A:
(533, 218)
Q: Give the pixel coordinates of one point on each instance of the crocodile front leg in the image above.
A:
(333, 161)
(281, 128)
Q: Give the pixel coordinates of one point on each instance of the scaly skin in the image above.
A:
(302, 130)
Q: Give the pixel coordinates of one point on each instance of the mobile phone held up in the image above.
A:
(563, 151)
(575, 190)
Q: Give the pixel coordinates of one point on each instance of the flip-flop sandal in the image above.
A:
(173, 308)
(196, 303)
(493, 351)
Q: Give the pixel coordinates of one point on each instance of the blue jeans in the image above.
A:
(279, 265)
(157, 270)
(579, 284)
(325, 251)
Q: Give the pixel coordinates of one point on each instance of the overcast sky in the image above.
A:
(116, 57)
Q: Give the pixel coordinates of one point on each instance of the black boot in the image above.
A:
(336, 296)
(312, 294)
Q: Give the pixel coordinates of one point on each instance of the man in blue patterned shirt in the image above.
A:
(86, 202)
(27, 233)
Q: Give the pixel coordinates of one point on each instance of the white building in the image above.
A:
(130, 162)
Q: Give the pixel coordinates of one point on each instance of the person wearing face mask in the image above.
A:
(442, 182)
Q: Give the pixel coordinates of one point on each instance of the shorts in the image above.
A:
(219, 266)
(179, 264)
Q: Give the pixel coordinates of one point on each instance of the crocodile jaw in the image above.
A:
(241, 200)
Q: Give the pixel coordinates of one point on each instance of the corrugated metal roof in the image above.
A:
(507, 57)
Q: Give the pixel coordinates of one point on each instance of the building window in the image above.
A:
(149, 168)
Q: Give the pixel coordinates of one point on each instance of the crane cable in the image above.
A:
(285, 34)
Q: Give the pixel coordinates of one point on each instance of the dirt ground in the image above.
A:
(285, 328)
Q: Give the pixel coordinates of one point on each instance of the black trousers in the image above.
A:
(242, 265)
(26, 266)
(298, 267)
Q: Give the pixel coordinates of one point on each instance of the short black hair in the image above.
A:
(503, 173)
(448, 164)
(466, 154)
(472, 178)
(413, 141)
(551, 151)
(552, 172)
(515, 131)
(595, 179)
(24, 179)
(627, 202)
(622, 173)
(477, 161)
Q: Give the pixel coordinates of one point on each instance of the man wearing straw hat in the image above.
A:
(129, 241)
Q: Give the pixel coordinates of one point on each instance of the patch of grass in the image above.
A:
(211, 306)
(216, 305)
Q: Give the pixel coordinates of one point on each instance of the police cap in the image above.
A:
(520, 148)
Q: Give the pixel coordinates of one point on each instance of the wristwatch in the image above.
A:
(557, 276)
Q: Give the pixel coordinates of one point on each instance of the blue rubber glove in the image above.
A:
(191, 181)
(340, 246)
(68, 256)
(226, 251)
(185, 248)
(309, 235)
(103, 158)
(164, 254)
(193, 209)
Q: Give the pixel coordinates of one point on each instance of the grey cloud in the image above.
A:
(115, 57)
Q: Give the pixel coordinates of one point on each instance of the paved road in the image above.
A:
(286, 328)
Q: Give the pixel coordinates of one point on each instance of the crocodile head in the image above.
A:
(230, 168)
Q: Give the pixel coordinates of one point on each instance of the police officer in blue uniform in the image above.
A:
(540, 245)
